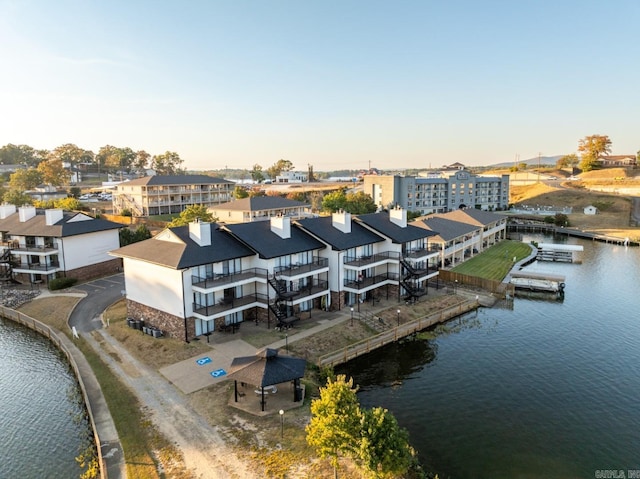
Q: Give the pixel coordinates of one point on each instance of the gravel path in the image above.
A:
(204, 449)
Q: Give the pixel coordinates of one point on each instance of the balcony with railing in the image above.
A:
(219, 280)
(44, 249)
(297, 293)
(420, 254)
(226, 305)
(46, 268)
(298, 269)
(370, 282)
(370, 260)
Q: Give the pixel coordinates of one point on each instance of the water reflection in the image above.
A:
(391, 365)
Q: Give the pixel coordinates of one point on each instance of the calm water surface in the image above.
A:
(548, 389)
(42, 425)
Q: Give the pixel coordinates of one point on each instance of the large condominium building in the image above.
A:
(439, 193)
(159, 195)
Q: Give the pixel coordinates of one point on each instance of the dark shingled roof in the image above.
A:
(383, 225)
(258, 203)
(322, 228)
(71, 224)
(266, 368)
(445, 228)
(259, 237)
(185, 253)
(162, 180)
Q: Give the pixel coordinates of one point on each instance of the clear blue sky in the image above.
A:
(335, 84)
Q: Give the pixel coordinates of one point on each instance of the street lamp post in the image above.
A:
(286, 342)
(352, 316)
(455, 287)
(398, 311)
(281, 412)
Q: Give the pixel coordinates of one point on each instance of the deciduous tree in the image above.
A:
(239, 192)
(54, 173)
(21, 155)
(568, 161)
(72, 154)
(334, 201)
(256, 173)
(23, 180)
(591, 147)
(384, 451)
(142, 160)
(17, 197)
(336, 418)
(278, 167)
(169, 163)
(193, 213)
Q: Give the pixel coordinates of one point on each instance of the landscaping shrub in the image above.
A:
(61, 283)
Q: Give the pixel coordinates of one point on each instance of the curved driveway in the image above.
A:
(101, 294)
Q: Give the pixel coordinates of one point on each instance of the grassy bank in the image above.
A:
(143, 446)
(495, 262)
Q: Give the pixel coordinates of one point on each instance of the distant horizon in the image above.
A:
(329, 84)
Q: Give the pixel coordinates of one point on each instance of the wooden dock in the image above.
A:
(406, 329)
(538, 282)
(560, 230)
(559, 252)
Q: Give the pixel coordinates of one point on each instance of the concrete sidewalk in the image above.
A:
(210, 368)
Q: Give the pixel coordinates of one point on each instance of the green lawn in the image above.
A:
(495, 262)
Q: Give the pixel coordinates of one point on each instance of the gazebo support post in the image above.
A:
(262, 402)
(235, 390)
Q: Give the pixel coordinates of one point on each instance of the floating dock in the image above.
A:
(559, 252)
(538, 282)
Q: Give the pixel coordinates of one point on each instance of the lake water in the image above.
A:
(546, 389)
(42, 425)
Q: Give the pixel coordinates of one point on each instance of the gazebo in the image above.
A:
(267, 368)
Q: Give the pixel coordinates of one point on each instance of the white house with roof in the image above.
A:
(39, 245)
(291, 177)
(374, 255)
(193, 280)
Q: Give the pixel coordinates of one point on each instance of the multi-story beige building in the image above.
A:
(159, 195)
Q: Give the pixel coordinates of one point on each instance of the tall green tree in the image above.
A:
(23, 180)
(384, 451)
(591, 147)
(334, 201)
(72, 154)
(256, 173)
(193, 213)
(17, 197)
(239, 192)
(336, 418)
(169, 163)
(142, 160)
(21, 155)
(568, 161)
(278, 167)
(128, 236)
(113, 158)
(360, 203)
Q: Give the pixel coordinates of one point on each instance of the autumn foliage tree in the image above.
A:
(591, 147)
